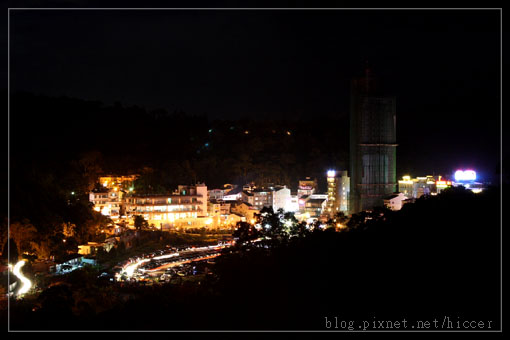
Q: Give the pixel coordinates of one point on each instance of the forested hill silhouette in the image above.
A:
(178, 147)
(438, 257)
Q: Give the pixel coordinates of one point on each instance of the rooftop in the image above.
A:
(393, 196)
(234, 191)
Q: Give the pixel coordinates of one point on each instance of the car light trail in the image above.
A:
(130, 269)
(169, 265)
(27, 284)
(166, 256)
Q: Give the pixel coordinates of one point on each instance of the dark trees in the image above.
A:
(141, 223)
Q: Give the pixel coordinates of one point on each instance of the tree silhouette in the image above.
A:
(23, 233)
(245, 232)
(141, 223)
(10, 251)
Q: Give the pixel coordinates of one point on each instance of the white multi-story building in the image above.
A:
(216, 194)
(258, 198)
(293, 204)
(107, 201)
(281, 198)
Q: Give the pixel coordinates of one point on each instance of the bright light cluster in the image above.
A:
(27, 284)
(465, 175)
(130, 269)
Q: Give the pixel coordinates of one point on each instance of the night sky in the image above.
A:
(442, 66)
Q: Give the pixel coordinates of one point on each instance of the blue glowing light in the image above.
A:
(465, 175)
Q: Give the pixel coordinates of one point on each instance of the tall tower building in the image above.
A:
(372, 144)
(338, 192)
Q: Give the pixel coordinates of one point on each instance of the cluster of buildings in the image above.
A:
(373, 148)
(192, 206)
(370, 182)
(410, 189)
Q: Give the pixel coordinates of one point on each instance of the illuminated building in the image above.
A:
(442, 184)
(93, 247)
(417, 187)
(233, 195)
(213, 208)
(344, 192)
(301, 202)
(215, 194)
(107, 201)
(338, 192)
(467, 179)
(306, 187)
(281, 198)
(108, 198)
(225, 208)
(322, 196)
(200, 190)
(315, 207)
(186, 207)
(119, 182)
(259, 198)
(262, 198)
(372, 144)
(394, 202)
(244, 209)
(293, 204)
(220, 213)
(247, 197)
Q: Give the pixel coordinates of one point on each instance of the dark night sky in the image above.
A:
(443, 67)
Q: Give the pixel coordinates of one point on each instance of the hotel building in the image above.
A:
(338, 192)
(186, 207)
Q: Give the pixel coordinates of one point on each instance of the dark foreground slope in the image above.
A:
(434, 259)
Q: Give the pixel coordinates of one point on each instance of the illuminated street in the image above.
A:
(152, 265)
